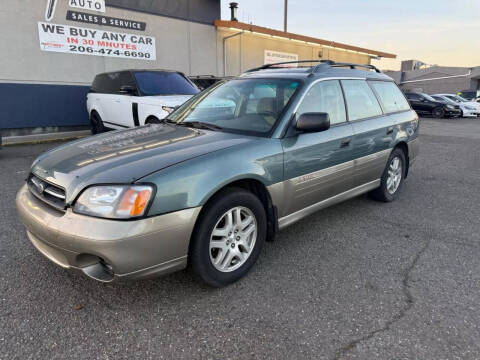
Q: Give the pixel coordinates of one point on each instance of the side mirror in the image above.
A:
(313, 122)
(127, 90)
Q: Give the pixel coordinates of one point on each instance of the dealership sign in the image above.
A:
(77, 40)
(94, 5)
(105, 20)
(272, 56)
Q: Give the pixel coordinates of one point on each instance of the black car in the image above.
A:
(426, 105)
(445, 100)
(205, 81)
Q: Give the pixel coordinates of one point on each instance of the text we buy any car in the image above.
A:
(103, 38)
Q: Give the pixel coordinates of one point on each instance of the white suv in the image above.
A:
(469, 108)
(129, 98)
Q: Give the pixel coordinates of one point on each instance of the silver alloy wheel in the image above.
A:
(394, 175)
(233, 239)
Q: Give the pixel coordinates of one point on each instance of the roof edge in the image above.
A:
(267, 31)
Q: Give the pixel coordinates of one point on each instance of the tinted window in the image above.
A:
(414, 97)
(100, 84)
(112, 82)
(444, 100)
(390, 96)
(361, 101)
(164, 83)
(325, 96)
(241, 105)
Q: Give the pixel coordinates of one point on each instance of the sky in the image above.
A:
(441, 32)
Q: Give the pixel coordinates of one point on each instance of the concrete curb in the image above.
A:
(41, 138)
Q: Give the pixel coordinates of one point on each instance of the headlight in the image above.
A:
(114, 201)
(469, 107)
(450, 107)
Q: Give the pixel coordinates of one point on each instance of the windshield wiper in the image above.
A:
(200, 125)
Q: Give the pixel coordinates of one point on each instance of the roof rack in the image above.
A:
(266, 66)
(350, 65)
(321, 64)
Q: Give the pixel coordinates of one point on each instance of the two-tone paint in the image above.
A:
(299, 172)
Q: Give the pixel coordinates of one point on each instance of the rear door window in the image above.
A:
(414, 97)
(153, 83)
(361, 101)
(111, 83)
(390, 96)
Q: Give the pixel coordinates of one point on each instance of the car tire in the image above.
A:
(393, 177)
(152, 120)
(228, 237)
(438, 112)
(96, 123)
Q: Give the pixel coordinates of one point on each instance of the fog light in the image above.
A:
(101, 271)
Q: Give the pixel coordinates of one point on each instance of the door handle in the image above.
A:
(390, 130)
(345, 143)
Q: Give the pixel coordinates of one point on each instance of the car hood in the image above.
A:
(126, 156)
(165, 100)
(473, 104)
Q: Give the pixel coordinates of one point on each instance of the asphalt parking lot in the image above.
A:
(360, 280)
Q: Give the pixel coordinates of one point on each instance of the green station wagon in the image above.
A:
(207, 186)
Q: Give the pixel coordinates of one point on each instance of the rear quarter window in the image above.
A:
(100, 84)
(390, 96)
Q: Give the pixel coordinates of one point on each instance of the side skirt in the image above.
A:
(300, 214)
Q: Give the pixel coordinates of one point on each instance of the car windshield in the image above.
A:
(153, 83)
(445, 99)
(251, 106)
(461, 98)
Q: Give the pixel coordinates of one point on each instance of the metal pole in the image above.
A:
(285, 11)
(225, 51)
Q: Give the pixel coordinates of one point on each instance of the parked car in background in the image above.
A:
(466, 110)
(205, 81)
(468, 95)
(221, 174)
(424, 104)
(123, 99)
(460, 100)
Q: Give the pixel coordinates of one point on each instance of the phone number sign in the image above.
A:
(84, 41)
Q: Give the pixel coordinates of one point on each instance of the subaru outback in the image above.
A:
(219, 176)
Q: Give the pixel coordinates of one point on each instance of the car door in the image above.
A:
(371, 108)
(121, 104)
(318, 166)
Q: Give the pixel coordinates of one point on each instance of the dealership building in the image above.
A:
(52, 49)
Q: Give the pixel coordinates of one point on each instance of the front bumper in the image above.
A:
(470, 113)
(453, 112)
(108, 250)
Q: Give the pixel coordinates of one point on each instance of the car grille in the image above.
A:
(457, 106)
(51, 194)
